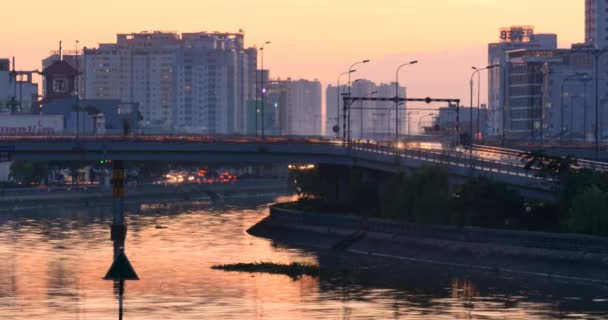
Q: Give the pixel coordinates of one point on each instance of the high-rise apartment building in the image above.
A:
(303, 113)
(194, 82)
(596, 23)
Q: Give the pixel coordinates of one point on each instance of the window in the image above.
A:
(60, 85)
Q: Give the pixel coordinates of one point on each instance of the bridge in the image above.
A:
(499, 164)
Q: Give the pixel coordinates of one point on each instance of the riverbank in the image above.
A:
(99, 195)
(539, 255)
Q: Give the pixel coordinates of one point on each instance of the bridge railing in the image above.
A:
(447, 157)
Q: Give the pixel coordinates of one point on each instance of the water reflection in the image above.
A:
(52, 264)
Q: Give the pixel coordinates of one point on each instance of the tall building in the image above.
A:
(596, 23)
(512, 38)
(333, 109)
(303, 113)
(83, 116)
(551, 96)
(193, 82)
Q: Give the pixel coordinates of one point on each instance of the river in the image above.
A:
(52, 262)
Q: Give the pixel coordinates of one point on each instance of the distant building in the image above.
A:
(512, 38)
(551, 95)
(18, 92)
(303, 113)
(291, 107)
(75, 61)
(83, 116)
(368, 119)
(333, 102)
(447, 120)
(193, 82)
(596, 23)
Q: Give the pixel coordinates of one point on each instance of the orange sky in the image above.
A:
(310, 38)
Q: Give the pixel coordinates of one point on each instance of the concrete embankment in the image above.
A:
(545, 255)
(31, 198)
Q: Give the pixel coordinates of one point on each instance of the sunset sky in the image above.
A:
(312, 39)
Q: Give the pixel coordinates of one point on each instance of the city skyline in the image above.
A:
(438, 34)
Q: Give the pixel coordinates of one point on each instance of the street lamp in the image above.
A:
(263, 91)
(349, 87)
(476, 71)
(347, 129)
(420, 121)
(337, 126)
(397, 96)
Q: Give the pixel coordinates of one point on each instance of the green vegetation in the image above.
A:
(294, 270)
(428, 196)
(29, 172)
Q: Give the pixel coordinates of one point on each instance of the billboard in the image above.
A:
(517, 34)
(30, 125)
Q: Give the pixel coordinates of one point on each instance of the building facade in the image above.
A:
(552, 95)
(193, 82)
(596, 23)
(512, 38)
(303, 114)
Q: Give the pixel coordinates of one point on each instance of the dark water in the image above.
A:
(52, 262)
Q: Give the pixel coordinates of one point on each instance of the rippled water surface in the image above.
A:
(52, 262)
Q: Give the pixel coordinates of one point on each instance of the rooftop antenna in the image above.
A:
(60, 52)
(14, 64)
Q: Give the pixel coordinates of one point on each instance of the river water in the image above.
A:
(52, 262)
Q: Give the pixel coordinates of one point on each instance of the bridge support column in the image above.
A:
(118, 228)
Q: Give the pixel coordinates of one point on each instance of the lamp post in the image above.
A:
(348, 129)
(349, 88)
(263, 90)
(476, 71)
(397, 97)
(337, 126)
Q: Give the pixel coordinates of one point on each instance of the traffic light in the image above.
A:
(105, 161)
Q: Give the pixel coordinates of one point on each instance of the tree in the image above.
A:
(548, 166)
(29, 172)
(484, 202)
(589, 212)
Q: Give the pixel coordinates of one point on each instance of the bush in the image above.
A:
(420, 197)
(487, 203)
(589, 212)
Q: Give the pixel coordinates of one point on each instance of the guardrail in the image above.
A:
(583, 163)
(445, 157)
